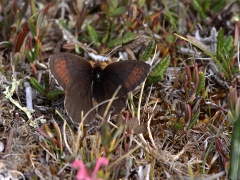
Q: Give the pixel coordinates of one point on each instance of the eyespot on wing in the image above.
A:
(129, 74)
(135, 77)
(61, 69)
(70, 71)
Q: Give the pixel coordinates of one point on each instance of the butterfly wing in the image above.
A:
(128, 74)
(73, 74)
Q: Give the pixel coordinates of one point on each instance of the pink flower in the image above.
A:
(82, 172)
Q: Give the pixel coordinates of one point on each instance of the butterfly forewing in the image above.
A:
(73, 74)
(70, 71)
(128, 74)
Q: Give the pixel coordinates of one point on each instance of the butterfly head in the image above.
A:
(97, 73)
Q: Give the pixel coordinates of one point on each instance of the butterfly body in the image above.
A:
(81, 82)
(97, 85)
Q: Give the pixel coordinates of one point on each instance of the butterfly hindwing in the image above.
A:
(75, 104)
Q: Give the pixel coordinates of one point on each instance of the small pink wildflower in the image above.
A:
(82, 172)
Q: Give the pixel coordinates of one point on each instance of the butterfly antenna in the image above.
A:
(82, 47)
(113, 50)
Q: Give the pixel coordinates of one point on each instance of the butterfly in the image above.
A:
(81, 82)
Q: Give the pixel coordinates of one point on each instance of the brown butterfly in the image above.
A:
(81, 82)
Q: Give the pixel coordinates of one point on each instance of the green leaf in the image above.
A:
(220, 39)
(132, 103)
(148, 52)
(129, 36)
(208, 151)
(234, 172)
(177, 125)
(64, 25)
(28, 54)
(170, 16)
(170, 38)
(201, 83)
(39, 20)
(206, 5)
(141, 2)
(32, 27)
(194, 120)
(218, 6)
(113, 3)
(35, 52)
(93, 35)
(41, 15)
(5, 44)
(228, 44)
(106, 26)
(225, 53)
(37, 85)
(52, 94)
(157, 73)
(199, 8)
(33, 9)
(119, 10)
(106, 136)
(16, 58)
